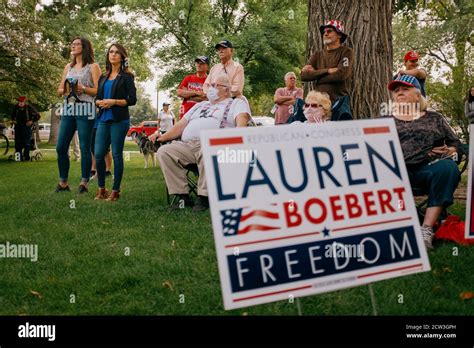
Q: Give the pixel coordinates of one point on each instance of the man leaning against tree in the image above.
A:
(331, 69)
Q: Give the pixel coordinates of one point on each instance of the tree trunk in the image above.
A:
(460, 83)
(53, 135)
(368, 24)
(36, 132)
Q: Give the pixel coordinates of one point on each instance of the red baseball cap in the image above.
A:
(411, 55)
(21, 98)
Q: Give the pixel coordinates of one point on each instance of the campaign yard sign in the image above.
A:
(309, 208)
(470, 187)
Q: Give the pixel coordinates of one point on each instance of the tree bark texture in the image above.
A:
(54, 130)
(368, 24)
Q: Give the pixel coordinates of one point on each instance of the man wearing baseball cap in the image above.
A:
(191, 88)
(234, 70)
(410, 61)
(430, 150)
(23, 116)
(331, 68)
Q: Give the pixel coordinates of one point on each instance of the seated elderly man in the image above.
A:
(220, 111)
(429, 147)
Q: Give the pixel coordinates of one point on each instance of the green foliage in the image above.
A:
(405, 7)
(262, 105)
(269, 37)
(94, 21)
(38, 36)
(81, 251)
(143, 110)
(26, 44)
(440, 31)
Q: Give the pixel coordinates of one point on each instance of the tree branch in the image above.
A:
(431, 53)
(241, 22)
(169, 29)
(446, 10)
(441, 51)
(249, 56)
(190, 9)
(224, 15)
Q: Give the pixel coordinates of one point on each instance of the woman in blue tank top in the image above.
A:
(116, 92)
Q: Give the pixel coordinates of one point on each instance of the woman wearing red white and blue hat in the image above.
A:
(430, 149)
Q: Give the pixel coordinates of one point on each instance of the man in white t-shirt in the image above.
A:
(220, 111)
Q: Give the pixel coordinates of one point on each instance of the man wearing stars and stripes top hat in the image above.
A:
(331, 69)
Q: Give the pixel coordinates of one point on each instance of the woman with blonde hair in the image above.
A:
(429, 147)
(317, 107)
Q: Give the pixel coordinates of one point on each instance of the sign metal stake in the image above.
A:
(298, 306)
(372, 299)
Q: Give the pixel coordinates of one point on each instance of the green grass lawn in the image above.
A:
(129, 145)
(82, 252)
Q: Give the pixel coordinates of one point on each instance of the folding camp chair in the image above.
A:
(192, 176)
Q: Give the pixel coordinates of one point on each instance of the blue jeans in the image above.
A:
(341, 109)
(67, 128)
(439, 180)
(110, 133)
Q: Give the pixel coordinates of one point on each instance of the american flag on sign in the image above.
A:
(243, 220)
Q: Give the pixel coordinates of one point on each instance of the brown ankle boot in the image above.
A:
(101, 193)
(113, 196)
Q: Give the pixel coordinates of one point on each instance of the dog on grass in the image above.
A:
(147, 148)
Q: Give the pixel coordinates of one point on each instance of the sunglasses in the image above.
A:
(306, 105)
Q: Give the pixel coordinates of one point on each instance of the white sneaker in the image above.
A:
(428, 234)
